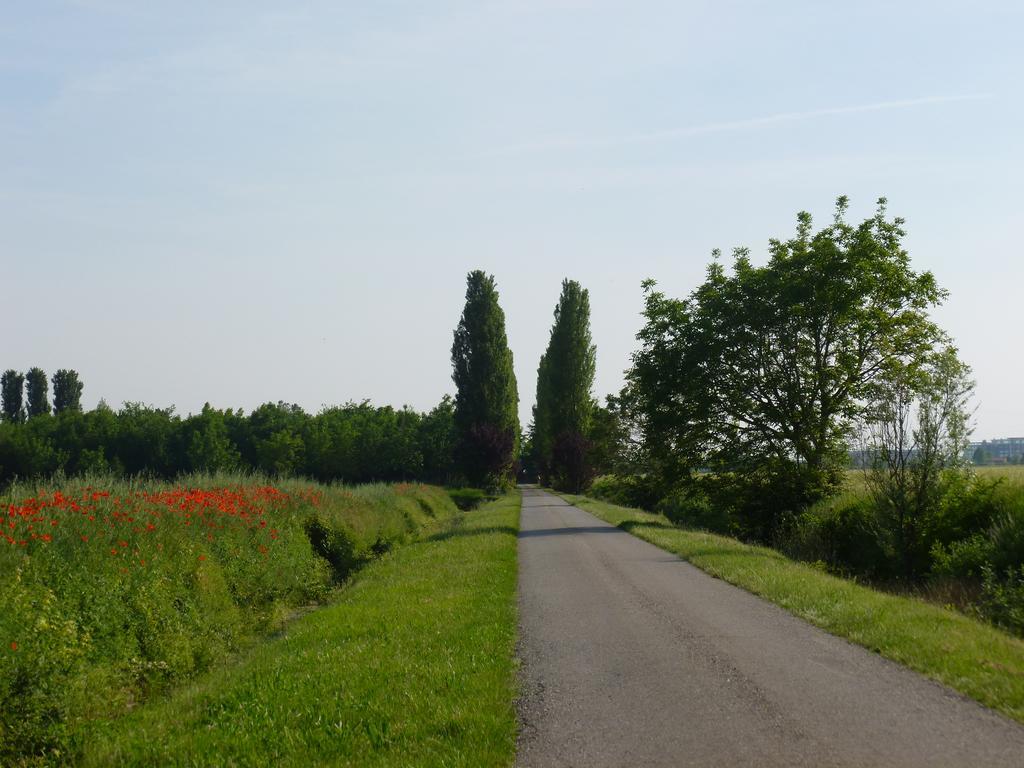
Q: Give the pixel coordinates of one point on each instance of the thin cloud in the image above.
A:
(738, 125)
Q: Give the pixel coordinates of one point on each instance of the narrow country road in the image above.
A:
(632, 657)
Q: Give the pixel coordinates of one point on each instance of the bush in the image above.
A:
(691, 508)
(964, 559)
(335, 545)
(844, 533)
(1003, 598)
(637, 491)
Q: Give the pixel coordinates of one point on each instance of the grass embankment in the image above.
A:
(974, 658)
(115, 592)
(411, 666)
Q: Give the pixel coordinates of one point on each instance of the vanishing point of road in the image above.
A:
(633, 657)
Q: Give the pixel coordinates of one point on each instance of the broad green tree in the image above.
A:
(12, 388)
(37, 390)
(487, 397)
(67, 391)
(563, 413)
(761, 373)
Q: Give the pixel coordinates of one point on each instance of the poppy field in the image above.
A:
(113, 592)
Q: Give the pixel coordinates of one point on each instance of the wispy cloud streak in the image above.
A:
(737, 125)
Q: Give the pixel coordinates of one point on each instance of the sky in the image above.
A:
(242, 202)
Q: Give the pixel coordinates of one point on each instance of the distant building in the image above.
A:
(1006, 450)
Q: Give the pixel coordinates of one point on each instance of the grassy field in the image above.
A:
(412, 665)
(974, 658)
(1008, 473)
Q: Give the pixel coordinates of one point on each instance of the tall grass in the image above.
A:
(114, 590)
(411, 666)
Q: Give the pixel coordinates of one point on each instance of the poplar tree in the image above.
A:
(12, 386)
(487, 397)
(565, 376)
(37, 390)
(67, 391)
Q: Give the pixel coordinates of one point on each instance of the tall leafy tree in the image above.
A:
(37, 389)
(762, 373)
(565, 376)
(12, 388)
(67, 391)
(487, 397)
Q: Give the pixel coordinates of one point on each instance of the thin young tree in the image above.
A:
(67, 391)
(917, 431)
(487, 397)
(12, 388)
(565, 407)
(37, 390)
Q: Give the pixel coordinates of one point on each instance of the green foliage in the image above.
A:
(765, 370)
(36, 389)
(67, 391)
(355, 443)
(1003, 598)
(437, 440)
(487, 399)
(562, 416)
(845, 534)
(631, 490)
(917, 433)
(691, 508)
(12, 387)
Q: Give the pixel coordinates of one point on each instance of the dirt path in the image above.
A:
(632, 657)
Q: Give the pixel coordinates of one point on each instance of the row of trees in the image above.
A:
(354, 443)
(570, 438)
(474, 438)
(26, 395)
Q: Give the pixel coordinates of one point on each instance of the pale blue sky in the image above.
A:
(251, 201)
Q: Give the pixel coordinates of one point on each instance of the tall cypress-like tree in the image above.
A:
(487, 397)
(564, 406)
(12, 387)
(37, 389)
(67, 391)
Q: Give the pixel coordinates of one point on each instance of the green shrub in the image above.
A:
(693, 509)
(964, 559)
(844, 533)
(638, 491)
(336, 545)
(1002, 599)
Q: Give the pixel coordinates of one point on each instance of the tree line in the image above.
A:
(354, 443)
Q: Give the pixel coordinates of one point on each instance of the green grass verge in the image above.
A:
(413, 665)
(974, 658)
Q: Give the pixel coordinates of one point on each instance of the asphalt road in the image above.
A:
(633, 657)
